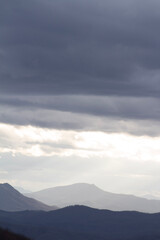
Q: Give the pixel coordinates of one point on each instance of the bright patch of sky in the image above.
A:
(38, 142)
(37, 158)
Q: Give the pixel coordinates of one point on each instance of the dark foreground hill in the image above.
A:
(12, 200)
(7, 235)
(83, 223)
(92, 196)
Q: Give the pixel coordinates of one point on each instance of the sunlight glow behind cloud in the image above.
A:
(32, 141)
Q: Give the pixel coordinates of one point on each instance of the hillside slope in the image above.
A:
(7, 235)
(83, 223)
(12, 200)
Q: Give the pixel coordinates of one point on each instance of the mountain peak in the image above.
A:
(79, 193)
(83, 184)
(7, 186)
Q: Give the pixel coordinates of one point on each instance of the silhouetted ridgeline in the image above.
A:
(7, 235)
(83, 223)
(12, 200)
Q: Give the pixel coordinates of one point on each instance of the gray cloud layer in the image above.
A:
(94, 113)
(80, 47)
(103, 106)
(91, 65)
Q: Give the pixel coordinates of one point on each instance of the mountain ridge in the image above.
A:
(13, 200)
(92, 196)
(83, 223)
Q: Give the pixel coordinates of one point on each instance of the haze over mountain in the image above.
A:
(151, 197)
(22, 190)
(92, 196)
(12, 200)
(83, 223)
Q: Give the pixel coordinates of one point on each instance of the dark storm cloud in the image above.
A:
(118, 107)
(87, 47)
(134, 116)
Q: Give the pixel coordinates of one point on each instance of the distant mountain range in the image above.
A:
(12, 200)
(77, 222)
(76, 194)
(83, 223)
(92, 196)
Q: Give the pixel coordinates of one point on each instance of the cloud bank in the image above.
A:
(80, 58)
(80, 47)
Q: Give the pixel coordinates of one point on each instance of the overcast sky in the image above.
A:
(80, 94)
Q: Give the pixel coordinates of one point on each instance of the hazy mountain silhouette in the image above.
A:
(83, 223)
(92, 196)
(12, 200)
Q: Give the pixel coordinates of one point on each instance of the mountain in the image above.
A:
(92, 196)
(12, 200)
(7, 235)
(83, 223)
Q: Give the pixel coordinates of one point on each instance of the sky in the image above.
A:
(80, 94)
